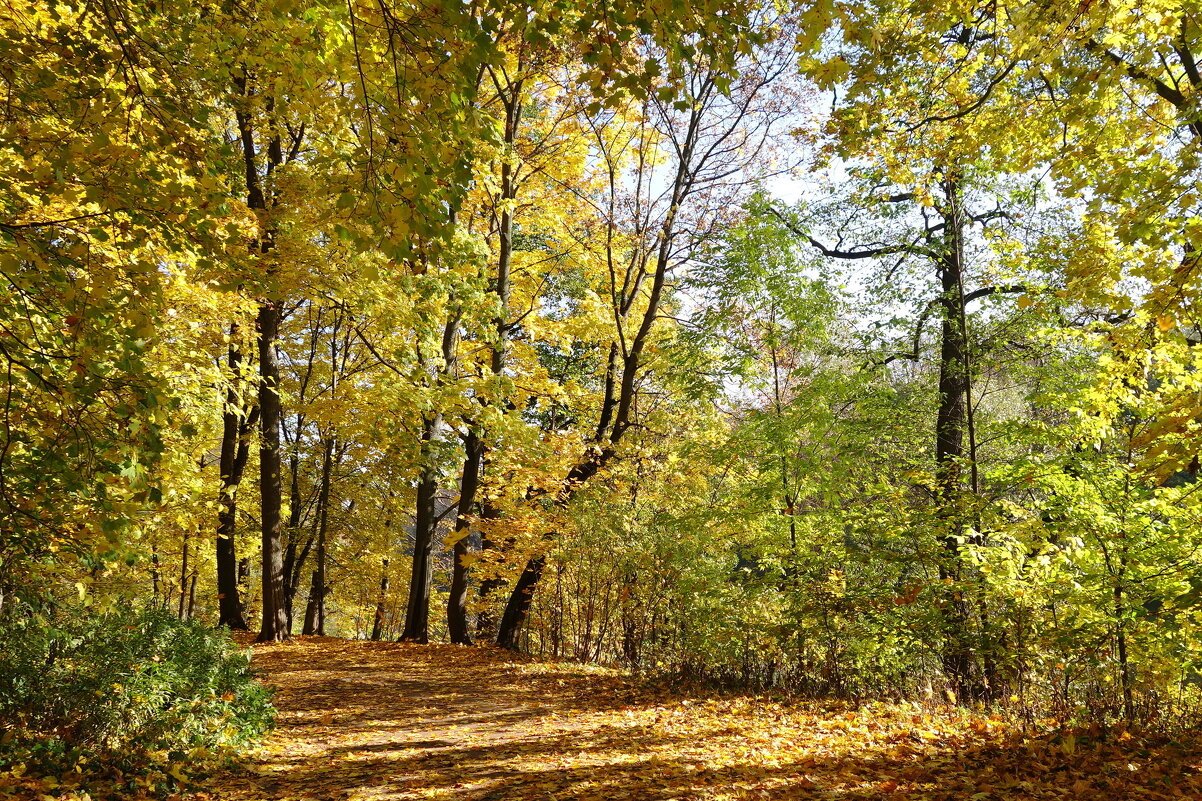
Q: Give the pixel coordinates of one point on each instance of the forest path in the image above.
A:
(373, 721)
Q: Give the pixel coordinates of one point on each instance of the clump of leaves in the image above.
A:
(130, 694)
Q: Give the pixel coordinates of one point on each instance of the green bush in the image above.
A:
(122, 687)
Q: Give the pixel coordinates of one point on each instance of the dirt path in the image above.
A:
(388, 721)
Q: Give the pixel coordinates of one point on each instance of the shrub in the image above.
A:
(125, 688)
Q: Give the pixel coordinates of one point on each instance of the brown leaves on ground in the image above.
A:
(392, 721)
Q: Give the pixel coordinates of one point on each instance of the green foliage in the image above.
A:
(121, 689)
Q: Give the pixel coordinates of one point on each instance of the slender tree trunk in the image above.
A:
(486, 621)
(192, 594)
(275, 619)
(513, 100)
(621, 388)
(417, 613)
(518, 605)
(293, 563)
(233, 437)
(293, 573)
(377, 626)
(313, 607)
(323, 519)
(154, 572)
(289, 586)
(183, 578)
(1120, 615)
(457, 624)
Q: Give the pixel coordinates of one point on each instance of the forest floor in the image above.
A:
(374, 721)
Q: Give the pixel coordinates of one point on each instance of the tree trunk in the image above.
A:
(183, 579)
(292, 575)
(486, 622)
(417, 613)
(323, 518)
(154, 573)
(275, 619)
(233, 437)
(275, 615)
(377, 626)
(951, 424)
(313, 607)
(1120, 623)
(293, 563)
(519, 603)
(192, 594)
(619, 406)
(469, 483)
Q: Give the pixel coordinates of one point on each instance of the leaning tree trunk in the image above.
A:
(474, 444)
(519, 603)
(617, 407)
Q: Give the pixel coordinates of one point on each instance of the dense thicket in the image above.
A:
(848, 347)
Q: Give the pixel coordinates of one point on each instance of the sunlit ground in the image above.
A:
(391, 721)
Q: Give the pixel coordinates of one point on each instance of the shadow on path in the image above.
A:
(367, 721)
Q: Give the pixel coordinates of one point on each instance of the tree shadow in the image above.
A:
(441, 722)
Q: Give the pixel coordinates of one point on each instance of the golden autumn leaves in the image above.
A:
(389, 721)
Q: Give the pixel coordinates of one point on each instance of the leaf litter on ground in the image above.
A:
(374, 721)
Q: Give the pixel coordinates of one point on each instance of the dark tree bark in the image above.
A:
(475, 451)
(519, 603)
(293, 562)
(417, 613)
(955, 427)
(275, 615)
(154, 573)
(275, 618)
(951, 426)
(377, 626)
(183, 578)
(294, 565)
(469, 483)
(315, 612)
(313, 607)
(236, 423)
(701, 159)
(486, 621)
(192, 594)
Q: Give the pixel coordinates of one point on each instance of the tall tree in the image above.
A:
(711, 142)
